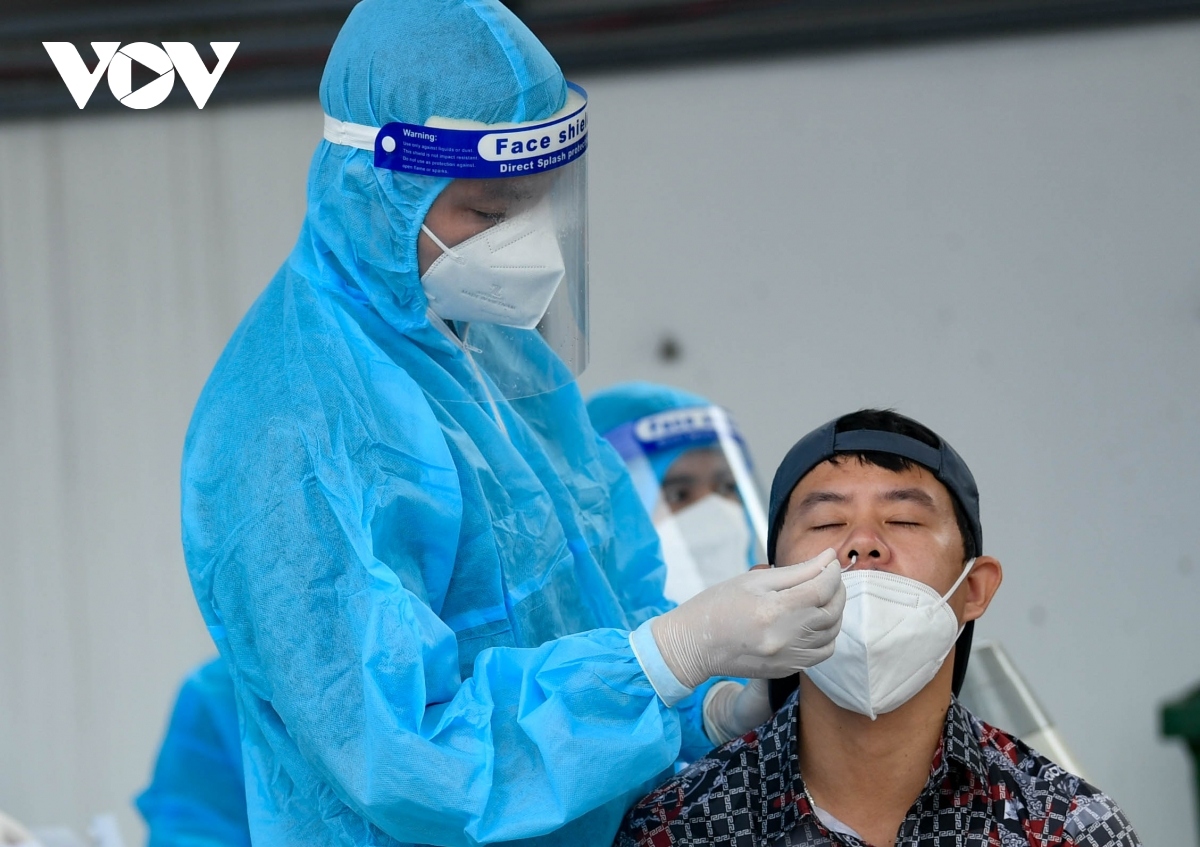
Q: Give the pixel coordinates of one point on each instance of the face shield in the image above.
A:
(694, 476)
(503, 249)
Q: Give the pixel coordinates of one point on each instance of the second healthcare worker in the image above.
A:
(419, 561)
(692, 471)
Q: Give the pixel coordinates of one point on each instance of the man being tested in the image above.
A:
(436, 592)
(875, 749)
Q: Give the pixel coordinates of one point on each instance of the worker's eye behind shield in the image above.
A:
(696, 474)
(507, 278)
(467, 207)
(486, 201)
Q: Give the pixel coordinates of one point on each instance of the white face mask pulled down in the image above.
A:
(896, 632)
(703, 544)
(505, 275)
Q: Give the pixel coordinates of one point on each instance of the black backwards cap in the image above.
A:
(824, 443)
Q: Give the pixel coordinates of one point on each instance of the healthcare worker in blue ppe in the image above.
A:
(691, 476)
(692, 470)
(438, 597)
(197, 796)
(694, 477)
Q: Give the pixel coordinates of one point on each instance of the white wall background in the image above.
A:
(1000, 238)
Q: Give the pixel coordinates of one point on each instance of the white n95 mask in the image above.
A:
(506, 274)
(896, 632)
(703, 544)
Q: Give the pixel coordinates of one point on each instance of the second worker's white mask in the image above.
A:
(896, 632)
(703, 544)
(505, 275)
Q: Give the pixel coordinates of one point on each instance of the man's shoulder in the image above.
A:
(1045, 796)
(714, 793)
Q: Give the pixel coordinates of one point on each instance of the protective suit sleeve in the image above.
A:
(639, 583)
(638, 573)
(197, 797)
(668, 688)
(343, 654)
(692, 703)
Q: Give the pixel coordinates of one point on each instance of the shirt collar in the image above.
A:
(960, 740)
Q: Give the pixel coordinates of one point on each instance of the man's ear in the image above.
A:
(981, 584)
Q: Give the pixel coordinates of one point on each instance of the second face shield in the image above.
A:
(694, 477)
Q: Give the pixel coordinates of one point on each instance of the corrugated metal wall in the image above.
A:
(998, 238)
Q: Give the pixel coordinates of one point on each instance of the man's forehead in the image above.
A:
(851, 478)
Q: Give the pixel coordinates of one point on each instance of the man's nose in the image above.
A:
(864, 549)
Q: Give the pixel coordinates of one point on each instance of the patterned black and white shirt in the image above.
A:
(984, 788)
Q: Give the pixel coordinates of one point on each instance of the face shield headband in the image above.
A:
(465, 149)
(826, 442)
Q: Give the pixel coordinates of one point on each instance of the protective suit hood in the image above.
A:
(409, 60)
(628, 401)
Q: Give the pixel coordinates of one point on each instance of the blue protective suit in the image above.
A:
(197, 797)
(425, 614)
